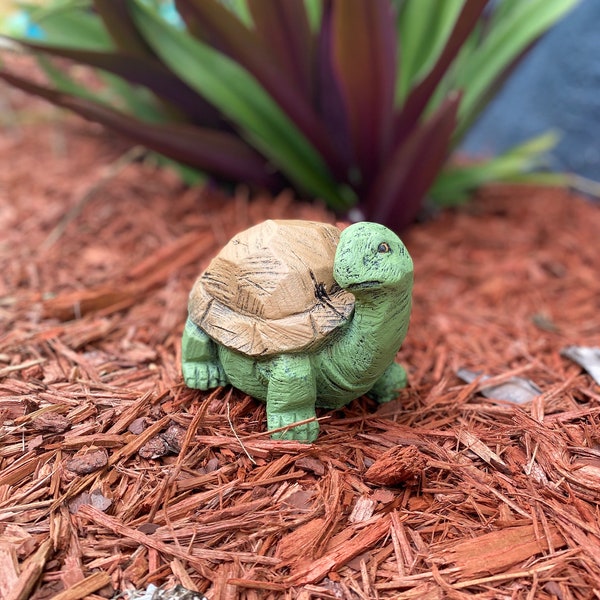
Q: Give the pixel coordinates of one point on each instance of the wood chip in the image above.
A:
(496, 551)
(85, 587)
(402, 464)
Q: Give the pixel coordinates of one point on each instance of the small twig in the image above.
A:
(285, 427)
(24, 507)
(111, 172)
(237, 437)
(25, 365)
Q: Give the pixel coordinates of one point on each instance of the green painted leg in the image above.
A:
(386, 388)
(199, 360)
(291, 398)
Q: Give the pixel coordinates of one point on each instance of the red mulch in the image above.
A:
(114, 476)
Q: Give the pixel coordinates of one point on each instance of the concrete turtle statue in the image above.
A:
(300, 315)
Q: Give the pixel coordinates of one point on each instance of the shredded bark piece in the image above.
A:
(397, 465)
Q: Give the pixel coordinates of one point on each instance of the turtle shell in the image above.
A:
(271, 289)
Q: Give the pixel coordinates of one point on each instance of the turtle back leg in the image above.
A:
(200, 363)
(291, 397)
(386, 388)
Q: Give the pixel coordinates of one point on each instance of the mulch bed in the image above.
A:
(115, 476)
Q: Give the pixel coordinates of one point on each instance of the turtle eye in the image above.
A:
(384, 247)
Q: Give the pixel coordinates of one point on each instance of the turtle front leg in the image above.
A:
(200, 363)
(291, 397)
(386, 388)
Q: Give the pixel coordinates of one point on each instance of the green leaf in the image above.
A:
(190, 176)
(423, 29)
(133, 99)
(239, 96)
(73, 26)
(314, 10)
(240, 9)
(503, 44)
(63, 82)
(455, 184)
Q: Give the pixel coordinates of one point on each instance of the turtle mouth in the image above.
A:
(362, 285)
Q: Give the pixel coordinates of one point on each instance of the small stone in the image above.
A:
(89, 462)
(154, 448)
(174, 437)
(137, 426)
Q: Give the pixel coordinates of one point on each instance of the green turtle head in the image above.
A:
(370, 256)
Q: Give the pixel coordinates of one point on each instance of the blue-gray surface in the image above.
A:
(557, 86)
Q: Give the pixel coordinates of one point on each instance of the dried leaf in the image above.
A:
(95, 499)
(587, 357)
(516, 389)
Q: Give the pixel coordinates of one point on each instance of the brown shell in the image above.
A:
(264, 292)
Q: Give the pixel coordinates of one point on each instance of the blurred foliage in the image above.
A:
(357, 102)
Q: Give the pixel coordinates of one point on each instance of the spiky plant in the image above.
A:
(357, 102)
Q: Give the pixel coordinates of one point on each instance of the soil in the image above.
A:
(115, 476)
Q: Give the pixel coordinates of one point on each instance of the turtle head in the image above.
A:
(371, 257)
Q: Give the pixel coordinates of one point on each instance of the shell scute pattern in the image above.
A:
(263, 287)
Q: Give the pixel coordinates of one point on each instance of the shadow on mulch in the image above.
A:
(115, 476)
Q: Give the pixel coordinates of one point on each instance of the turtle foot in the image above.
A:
(391, 382)
(203, 375)
(307, 432)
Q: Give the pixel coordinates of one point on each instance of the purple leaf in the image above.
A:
(329, 101)
(396, 196)
(142, 71)
(217, 152)
(209, 20)
(364, 58)
(120, 26)
(284, 31)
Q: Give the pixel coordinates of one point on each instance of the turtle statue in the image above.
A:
(299, 314)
